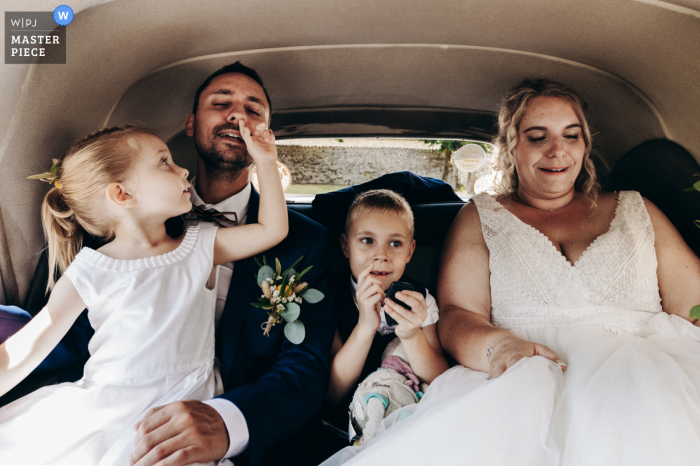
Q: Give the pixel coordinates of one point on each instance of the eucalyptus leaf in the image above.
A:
(295, 332)
(696, 185)
(291, 312)
(265, 273)
(695, 312)
(291, 273)
(312, 295)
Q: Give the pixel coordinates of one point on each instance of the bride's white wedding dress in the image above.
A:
(630, 394)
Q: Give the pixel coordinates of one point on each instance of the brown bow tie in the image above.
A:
(211, 215)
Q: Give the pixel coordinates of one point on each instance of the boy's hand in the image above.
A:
(260, 144)
(369, 297)
(409, 321)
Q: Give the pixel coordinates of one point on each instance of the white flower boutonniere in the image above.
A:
(283, 292)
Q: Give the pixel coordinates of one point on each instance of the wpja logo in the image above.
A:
(37, 37)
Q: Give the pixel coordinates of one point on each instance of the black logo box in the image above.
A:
(33, 37)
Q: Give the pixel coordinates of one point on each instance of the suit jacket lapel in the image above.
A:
(238, 299)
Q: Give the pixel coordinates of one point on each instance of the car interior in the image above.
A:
(365, 68)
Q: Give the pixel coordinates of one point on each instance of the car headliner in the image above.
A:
(325, 63)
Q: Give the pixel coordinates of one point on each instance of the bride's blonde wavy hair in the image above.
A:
(513, 109)
(75, 205)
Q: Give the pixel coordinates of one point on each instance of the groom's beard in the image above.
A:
(222, 162)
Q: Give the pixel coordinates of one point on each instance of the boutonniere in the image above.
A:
(283, 292)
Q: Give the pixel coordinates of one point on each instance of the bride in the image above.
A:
(568, 311)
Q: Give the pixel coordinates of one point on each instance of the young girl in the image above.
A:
(145, 292)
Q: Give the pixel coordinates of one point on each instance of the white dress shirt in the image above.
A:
(233, 417)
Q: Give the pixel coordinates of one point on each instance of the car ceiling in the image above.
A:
(636, 62)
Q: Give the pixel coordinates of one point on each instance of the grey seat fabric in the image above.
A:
(660, 170)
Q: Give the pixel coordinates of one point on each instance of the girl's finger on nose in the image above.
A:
(245, 132)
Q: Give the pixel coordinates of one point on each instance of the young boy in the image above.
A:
(378, 242)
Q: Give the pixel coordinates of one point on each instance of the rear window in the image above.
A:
(322, 165)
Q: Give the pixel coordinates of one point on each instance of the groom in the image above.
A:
(271, 386)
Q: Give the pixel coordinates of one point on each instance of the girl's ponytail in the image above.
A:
(64, 234)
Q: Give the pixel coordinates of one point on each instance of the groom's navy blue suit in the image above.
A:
(278, 386)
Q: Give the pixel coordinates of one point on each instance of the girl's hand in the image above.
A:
(260, 144)
(411, 321)
(369, 297)
(508, 350)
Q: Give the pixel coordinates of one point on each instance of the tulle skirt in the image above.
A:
(623, 400)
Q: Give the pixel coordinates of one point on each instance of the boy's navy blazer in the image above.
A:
(277, 385)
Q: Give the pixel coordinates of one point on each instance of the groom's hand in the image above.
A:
(178, 434)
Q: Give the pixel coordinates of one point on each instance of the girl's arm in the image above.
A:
(245, 241)
(25, 350)
(422, 346)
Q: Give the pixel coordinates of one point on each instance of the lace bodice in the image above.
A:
(613, 285)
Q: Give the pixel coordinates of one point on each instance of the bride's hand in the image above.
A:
(511, 349)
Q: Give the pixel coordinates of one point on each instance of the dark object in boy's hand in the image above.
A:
(394, 288)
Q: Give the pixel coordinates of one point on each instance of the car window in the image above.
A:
(321, 165)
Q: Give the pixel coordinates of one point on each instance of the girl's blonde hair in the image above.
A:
(513, 109)
(75, 205)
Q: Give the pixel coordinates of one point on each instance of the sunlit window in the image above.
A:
(322, 165)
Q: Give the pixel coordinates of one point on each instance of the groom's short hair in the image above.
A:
(237, 67)
(383, 200)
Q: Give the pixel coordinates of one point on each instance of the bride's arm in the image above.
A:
(463, 293)
(25, 350)
(679, 268)
(464, 296)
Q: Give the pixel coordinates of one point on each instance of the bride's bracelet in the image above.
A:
(489, 350)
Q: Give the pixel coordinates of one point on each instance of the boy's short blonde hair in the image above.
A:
(382, 200)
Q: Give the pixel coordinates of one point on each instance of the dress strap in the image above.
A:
(207, 239)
